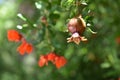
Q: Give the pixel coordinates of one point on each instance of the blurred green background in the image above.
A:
(99, 59)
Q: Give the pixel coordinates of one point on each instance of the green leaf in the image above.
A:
(105, 65)
(89, 30)
(21, 17)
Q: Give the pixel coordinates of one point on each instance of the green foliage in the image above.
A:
(98, 59)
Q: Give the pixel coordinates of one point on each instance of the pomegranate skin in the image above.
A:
(76, 25)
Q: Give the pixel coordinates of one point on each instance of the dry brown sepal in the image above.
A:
(76, 38)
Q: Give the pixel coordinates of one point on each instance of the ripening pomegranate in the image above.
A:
(76, 25)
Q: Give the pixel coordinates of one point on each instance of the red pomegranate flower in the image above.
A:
(13, 35)
(51, 57)
(118, 40)
(43, 61)
(60, 61)
(25, 48)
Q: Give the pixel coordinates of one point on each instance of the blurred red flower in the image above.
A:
(43, 61)
(51, 57)
(25, 48)
(119, 78)
(13, 35)
(118, 40)
(60, 61)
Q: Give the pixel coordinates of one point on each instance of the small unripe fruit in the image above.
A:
(76, 25)
(44, 20)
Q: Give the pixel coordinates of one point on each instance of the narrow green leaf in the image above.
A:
(88, 29)
(21, 17)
